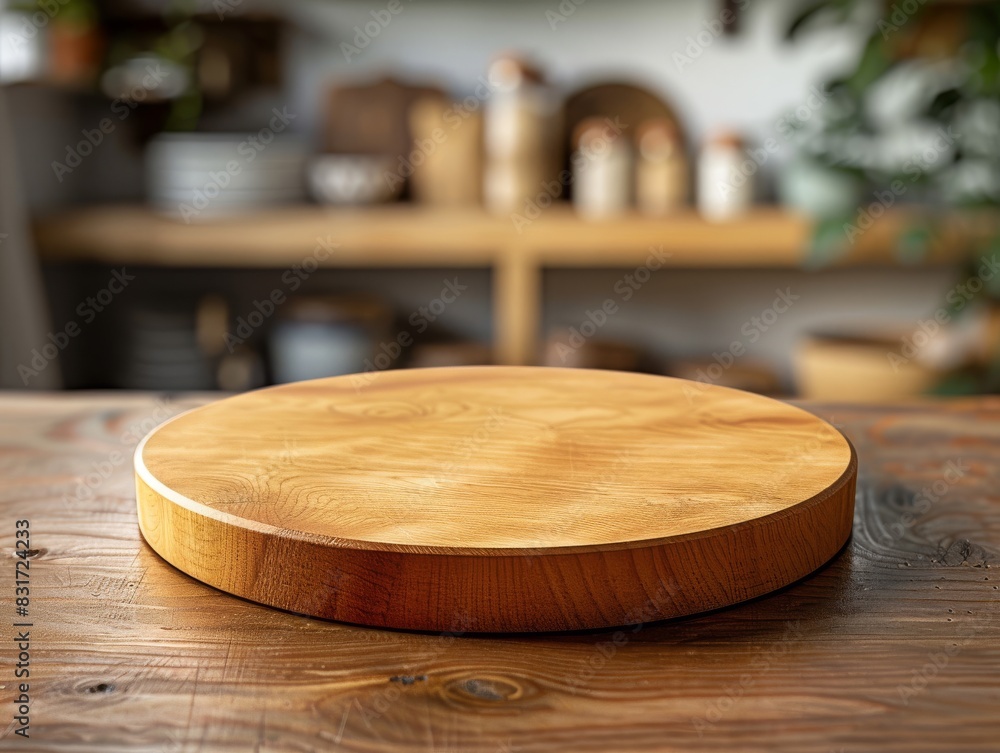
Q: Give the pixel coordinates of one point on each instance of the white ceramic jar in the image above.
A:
(602, 171)
(725, 186)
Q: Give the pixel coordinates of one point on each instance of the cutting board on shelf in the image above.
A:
(488, 499)
(372, 118)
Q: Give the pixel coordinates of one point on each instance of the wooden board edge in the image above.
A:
(549, 591)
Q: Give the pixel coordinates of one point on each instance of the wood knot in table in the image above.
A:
(963, 552)
(25, 553)
(486, 690)
(408, 679)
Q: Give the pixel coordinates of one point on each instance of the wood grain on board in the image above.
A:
(894, 646)
(507, 498)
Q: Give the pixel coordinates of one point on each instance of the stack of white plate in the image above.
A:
(160, 350)
(198, 176)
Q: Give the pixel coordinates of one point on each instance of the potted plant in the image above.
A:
(917, 118)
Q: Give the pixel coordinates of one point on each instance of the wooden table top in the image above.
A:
(894, 646)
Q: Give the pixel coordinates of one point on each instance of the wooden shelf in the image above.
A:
(397, 236)
(408, 236)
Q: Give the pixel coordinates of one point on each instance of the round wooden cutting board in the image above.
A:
(496, 498)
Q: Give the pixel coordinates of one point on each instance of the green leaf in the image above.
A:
(960, 383)
(943, 102)
(992, 286)
(829, 242)
(914, 243)
(833, 12)
(873, 65)
(806, 16)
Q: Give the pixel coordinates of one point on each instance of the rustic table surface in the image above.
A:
(895, 645)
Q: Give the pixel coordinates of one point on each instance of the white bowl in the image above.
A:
(353, 179)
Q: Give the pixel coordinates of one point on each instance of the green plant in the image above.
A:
(178, 44)
(940, 63)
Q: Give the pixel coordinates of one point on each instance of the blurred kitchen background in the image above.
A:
(796, 198)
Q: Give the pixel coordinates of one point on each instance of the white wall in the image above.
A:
(747, 81)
